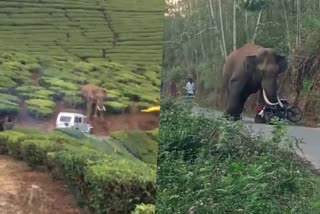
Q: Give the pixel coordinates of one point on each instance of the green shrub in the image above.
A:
(217, 166)
(3, 143)
(139, 144)
(144, 209)
(103, 175)
(29, 131)
(116, 185)
(40, 108)
(70, 165)
(13, 144)
(37, 92)
(8, 104)
(115, 107)
(71, 133)
(34, 151)
(154, 134)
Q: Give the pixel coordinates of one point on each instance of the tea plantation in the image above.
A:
(42, 81)
(104, 175)
(48, 49)
(128, 32)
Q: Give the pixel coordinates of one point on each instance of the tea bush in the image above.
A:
(35, 151)
(116, 185)
(139, 144)
(144, 209)
(218, 167)
(103, 175)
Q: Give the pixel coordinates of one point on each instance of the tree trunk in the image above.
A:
(287, 24)
(220, 41)
(257, 27)
(298, 23)
(234, 25)
(222, 30)
(246, 26)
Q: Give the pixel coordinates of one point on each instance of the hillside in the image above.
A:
(96, 171)
(38, 84)
(113, 30)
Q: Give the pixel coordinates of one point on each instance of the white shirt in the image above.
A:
(189, 87)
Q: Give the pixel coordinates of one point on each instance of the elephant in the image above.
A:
(247, 70)
(94, 95)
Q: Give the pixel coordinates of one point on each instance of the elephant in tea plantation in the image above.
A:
(94, 96)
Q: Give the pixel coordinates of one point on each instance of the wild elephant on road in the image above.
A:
(246, 71)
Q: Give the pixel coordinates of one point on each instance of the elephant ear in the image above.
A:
(282, 61)
(251, 63)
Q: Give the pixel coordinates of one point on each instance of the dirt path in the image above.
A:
(121, 122)
(23, 191)
(110, 123)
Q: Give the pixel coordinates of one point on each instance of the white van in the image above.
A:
(74, 121)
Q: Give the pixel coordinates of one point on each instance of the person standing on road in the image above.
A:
(190, 88)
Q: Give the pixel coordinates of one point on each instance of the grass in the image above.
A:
(218, 167)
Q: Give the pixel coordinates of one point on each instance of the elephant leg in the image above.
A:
(236, 100)
(89, 105)
(95, 111)
(243, 98)
(101, 115)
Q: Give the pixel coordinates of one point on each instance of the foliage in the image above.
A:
(113, 30)
(61, 80)
(144, 209)
(8, 104)
(130, 182)
(34, 152)
(97, 174)
(219, 167)
(139, 144)
(40, 108)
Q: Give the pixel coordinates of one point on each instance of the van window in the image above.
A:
(65, 119)
(78, 120)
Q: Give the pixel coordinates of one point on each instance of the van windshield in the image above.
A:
(65, 119)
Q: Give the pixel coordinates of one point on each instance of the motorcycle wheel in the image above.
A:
(294, 114)
(258, 119)
(268, 116)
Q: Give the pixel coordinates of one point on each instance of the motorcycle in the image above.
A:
(290, 112)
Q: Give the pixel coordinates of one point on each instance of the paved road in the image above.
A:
(310, 136)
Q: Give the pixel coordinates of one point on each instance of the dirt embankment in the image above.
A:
(128, 121)
(24, 191)
(102, 127)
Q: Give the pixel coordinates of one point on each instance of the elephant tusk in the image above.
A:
(267, 100)
(279, 101)
(104, 109)
(99, 109)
